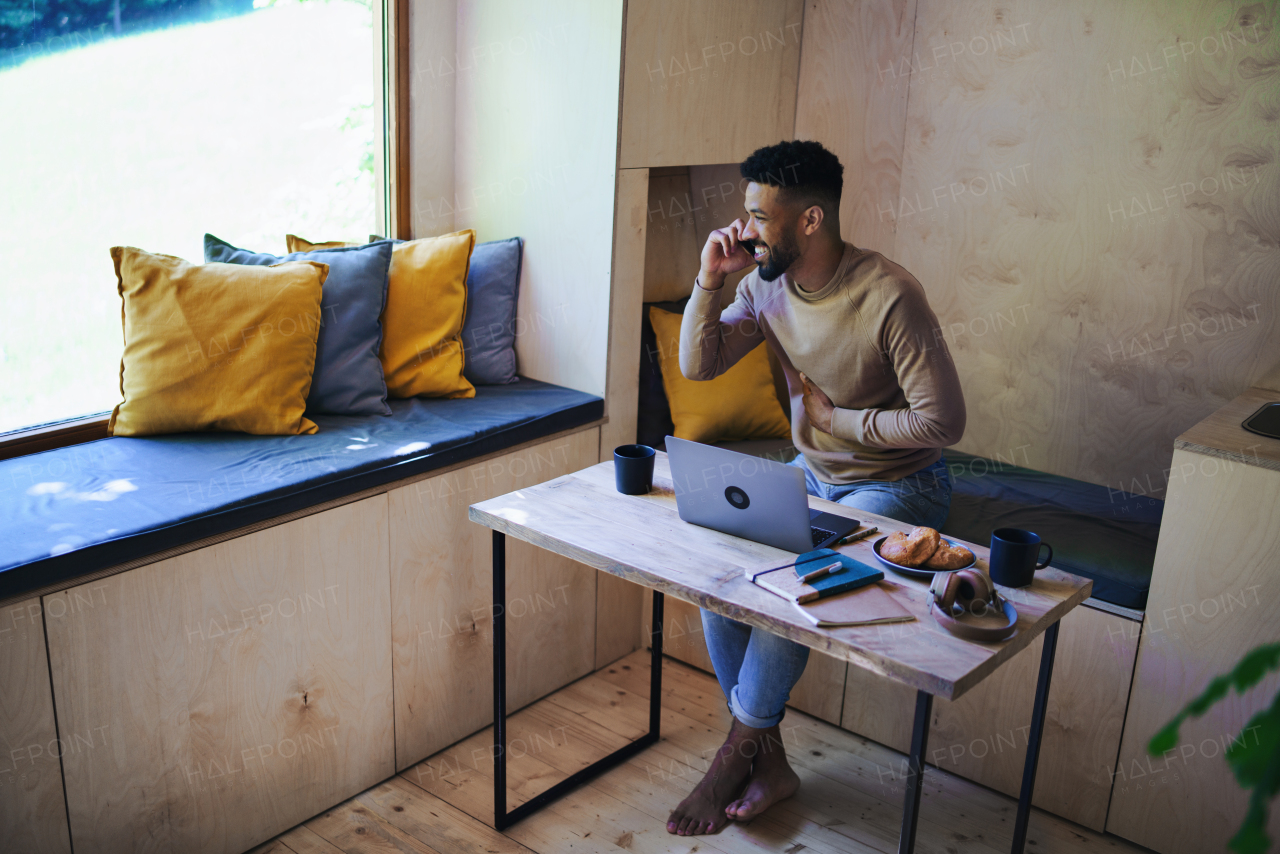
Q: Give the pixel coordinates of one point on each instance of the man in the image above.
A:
(874, 399)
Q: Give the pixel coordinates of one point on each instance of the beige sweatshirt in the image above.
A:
(867, 338)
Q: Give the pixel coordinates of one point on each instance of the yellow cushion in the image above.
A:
(294, 243)
(422, 323)
(215, 346)
(739, 404)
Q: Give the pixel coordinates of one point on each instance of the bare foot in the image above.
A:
(771, 780)
(704, 810)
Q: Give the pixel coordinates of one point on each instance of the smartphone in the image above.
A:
(1265, 422)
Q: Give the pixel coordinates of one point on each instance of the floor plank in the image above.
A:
(352, 828)
(304, 840)
(849, 801)
(436, 823)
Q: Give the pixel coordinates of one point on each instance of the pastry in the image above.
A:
(948, 556)
(910, 549)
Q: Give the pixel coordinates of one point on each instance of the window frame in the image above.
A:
(393, 206)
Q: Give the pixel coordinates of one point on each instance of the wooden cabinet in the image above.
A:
(708, 82)
(1215, 594)
(442, 620)
(33, 815)
(212, 700)
(230, 692)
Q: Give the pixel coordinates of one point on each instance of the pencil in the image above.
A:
(853, 538)
(818, 573)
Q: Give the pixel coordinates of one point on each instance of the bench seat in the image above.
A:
(72, 511)
(1097, 532)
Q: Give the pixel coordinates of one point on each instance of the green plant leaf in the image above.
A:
(1254, 755)
(1252, 837)
(1251, 754)
(1166, 738)
(1216, 691)
(1255, 664)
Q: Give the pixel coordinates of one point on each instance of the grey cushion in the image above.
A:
(489, 330)
(348, 374)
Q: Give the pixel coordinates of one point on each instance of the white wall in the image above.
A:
(432, 88)
(535, 154)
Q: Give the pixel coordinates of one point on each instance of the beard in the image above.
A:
(780, 256)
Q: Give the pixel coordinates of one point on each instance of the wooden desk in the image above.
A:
(643, 540)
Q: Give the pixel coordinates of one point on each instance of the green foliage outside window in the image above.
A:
(51, 22)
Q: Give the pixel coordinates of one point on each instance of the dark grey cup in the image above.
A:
(1014, 556)
(633, 468)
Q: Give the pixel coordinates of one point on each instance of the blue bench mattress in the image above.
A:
(1104, 534)
(73, 511)
(1099, 533)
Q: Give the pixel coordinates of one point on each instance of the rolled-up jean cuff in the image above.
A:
(745, 717)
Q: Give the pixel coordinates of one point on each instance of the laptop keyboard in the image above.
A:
(819, 535)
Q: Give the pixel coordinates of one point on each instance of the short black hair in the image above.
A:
(802, 169)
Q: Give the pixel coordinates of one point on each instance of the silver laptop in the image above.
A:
(749, 497)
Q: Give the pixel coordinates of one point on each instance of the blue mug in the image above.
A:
(1014, 556)
(633, 469)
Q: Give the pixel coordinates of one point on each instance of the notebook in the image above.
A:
(785, 581)
(865, 606)
(850, 596)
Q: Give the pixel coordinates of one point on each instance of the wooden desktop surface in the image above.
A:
(641, 538)
(1222, 434)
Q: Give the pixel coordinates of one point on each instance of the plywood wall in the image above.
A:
(535, 155)
(630, 231)
(708, 81)
(1089, 194)
(686, 203)
(849, 103)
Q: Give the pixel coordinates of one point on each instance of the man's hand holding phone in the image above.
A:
(725, 252)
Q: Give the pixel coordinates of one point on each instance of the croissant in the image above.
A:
(948, 556)
(911, 549)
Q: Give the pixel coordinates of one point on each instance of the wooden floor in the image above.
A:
(850, 798)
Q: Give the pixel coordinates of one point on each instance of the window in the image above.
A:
(149, 123)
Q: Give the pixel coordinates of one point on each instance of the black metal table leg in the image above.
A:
(915, 773)
(499, 679)
(655, 665)
(501, 817)
(1033, 741)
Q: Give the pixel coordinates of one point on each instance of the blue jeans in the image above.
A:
(923, 498)
(757, 669)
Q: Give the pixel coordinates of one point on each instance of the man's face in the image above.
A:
(770, 230)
